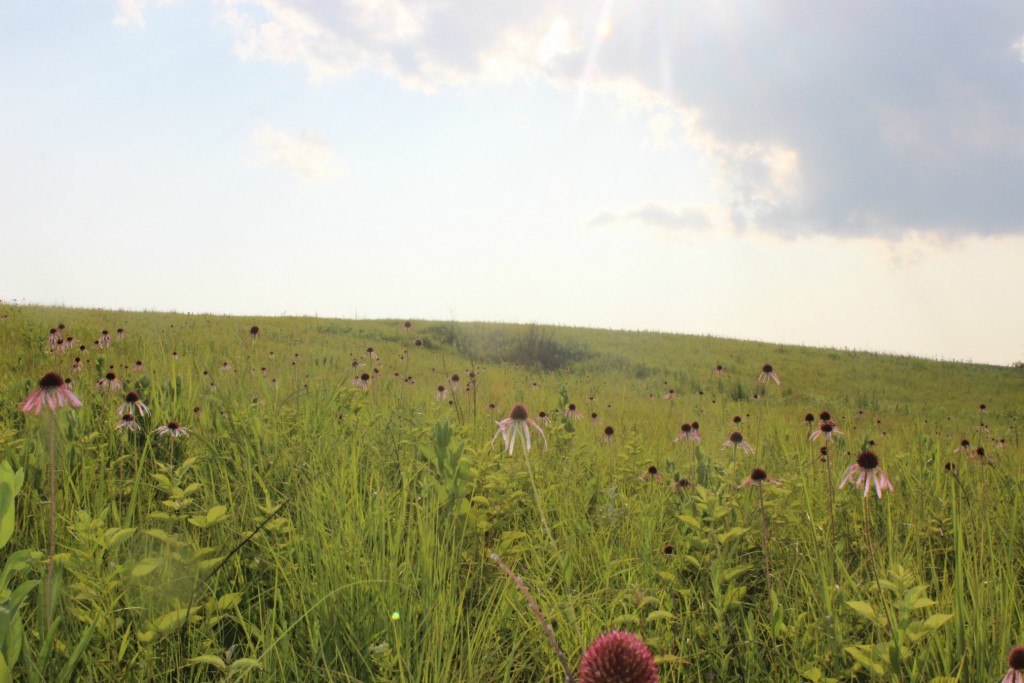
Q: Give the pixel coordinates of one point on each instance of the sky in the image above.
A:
(831, 174)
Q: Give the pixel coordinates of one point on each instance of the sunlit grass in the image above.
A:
(307, 529)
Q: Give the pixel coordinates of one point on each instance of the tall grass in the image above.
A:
(310, 530)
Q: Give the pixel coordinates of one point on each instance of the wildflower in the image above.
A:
(736, 419)
(668, 549)
(687, 433)
(225, 367)
(408, 326)
(1016, 663)
(671, 394)
(979, 454)
(826, 428)
(609, 433)
(120, 333)
(681, 484)
(965, 447)
(651, 473)
(442, 393)
(172, 429)
(418, 343)
(455, 382)
(77, 365)
(543, 417)
(128, 422)
(110, 382)
(362, 381)
(518, 421)
(867, 471)
(767, 373)
(133, 402)
(51, 393)
(54, 337)
(695, 426)
(719, 370)
(825, 416)
(138, 367)
(572, 413)
(618, 657)
(809, 419)
(104, 340)
(371, 353)
(254, 331)
(593, 418)
(758, 476)
(736, 440)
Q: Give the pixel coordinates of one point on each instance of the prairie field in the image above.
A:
(302, 499)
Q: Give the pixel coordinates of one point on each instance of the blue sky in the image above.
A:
(821, 174)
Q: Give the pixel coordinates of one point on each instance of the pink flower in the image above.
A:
(572, 413)
(736, 440)
(758, 477)
(618, 657)
(1016, 663)
(442, 393)
(110, 382)
(826, 428)
(131, 403)
(172, 429)
(51, 393)
(687, 433)
(767, 373)
(867, 471)
(517, 422)
(362, 381)
(128, 422)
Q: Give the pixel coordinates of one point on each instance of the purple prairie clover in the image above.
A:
(736, 440)
(767, 373)
(51, 393)
(618, 657)
(867, 472)
(518, 422)
(1015, 661)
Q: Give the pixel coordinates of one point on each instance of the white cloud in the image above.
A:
(305, 155)
(131, 13)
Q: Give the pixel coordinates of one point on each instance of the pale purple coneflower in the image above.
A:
(757, 477)
(109, 382)
(965, 447)
(120, 333)
(408, 326)
(682, 484)
(52, 392)
(77, 365)
(362, 381)
(652, 474)
(370, 353)
(609, 433)
(867, 472)
(518, 422)
(264, 372)
(719, 370)
(767, 373)
(104, 340)
(455, 382)
(543, 417)
(1015, 661)
(737, 441)
(442, 393)
(593, 418)
(418, 343)
(172, 429)
(572, 413)
(826, 428)
(687, 433)
(138, 367)
(128, 422)
(133, 402)
(669, 395)
(254, 332)
(54, 337)
(225, 367)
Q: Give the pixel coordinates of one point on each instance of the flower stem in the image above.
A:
(764, 539)
(878, 585)
(53, 518)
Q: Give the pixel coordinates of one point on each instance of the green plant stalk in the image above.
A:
(881, 595)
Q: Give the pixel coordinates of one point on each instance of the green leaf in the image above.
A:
(115, 537)
(212, 660)
(166, 623)
(863, 609)
(145, 566)
(813, 674)
(861, 653)
(229, 600)
(690, 521)
(245, 663)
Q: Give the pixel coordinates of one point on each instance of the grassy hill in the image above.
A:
(308, 527)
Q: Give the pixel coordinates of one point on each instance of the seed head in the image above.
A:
(1016, 658)
(867, 460)
(610, 431)
(51, 380)
(519, 412)
(758, 474)
(767, 368)
(736, 438)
